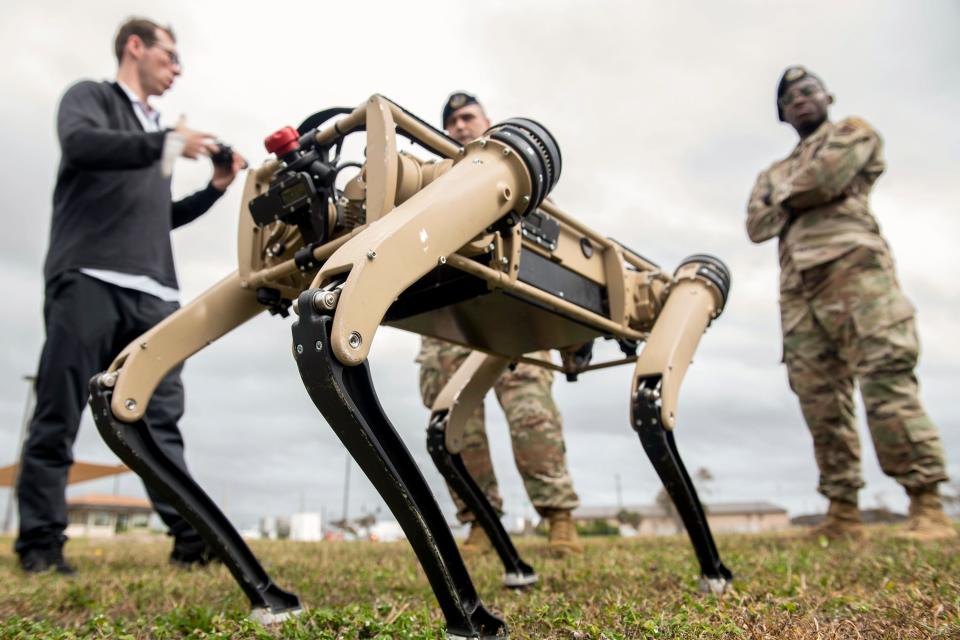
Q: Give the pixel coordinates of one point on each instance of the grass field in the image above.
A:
(786, 587)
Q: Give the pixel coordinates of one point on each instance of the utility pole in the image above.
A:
(346, 489)
(25, 424)
(616, 478)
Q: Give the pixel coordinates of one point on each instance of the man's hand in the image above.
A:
(195, 143)
(223, 175)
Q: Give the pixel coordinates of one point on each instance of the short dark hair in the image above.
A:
(144, 29)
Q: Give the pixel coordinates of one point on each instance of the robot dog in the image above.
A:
(465, 248)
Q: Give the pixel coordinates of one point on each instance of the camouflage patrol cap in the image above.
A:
(791, 75)
(456, 100)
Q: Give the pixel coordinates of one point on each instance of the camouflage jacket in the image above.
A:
(815, 199)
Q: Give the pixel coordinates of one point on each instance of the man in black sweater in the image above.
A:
(109, 275)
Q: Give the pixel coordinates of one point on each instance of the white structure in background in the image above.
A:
(251, 533)
(274, 528)
(386, 531)
(268, 527)
(306, 527)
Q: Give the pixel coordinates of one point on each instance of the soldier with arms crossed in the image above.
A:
(524, 393)
(844, 318)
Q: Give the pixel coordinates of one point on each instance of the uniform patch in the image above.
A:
(850, 125)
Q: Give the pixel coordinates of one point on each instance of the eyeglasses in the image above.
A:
(172, 57)
(806, 91)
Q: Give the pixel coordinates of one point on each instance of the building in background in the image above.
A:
(79, 472)
(104, 516)
(734, 517)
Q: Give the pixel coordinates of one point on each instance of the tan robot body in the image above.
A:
(465, 248)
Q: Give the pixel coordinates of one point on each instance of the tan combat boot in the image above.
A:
(926, 520)
(477, 541)
(562, 535)
(843, 522)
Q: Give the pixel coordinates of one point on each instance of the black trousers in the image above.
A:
(88, 322)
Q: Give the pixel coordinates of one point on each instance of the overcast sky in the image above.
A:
(664, 112)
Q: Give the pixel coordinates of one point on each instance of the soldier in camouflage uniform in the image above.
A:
(524, 393)
(844, 318)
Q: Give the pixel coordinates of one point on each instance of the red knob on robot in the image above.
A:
(282, 141)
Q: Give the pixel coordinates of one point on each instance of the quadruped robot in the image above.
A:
(464, 248)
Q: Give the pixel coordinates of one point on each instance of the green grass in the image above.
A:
(786, 587)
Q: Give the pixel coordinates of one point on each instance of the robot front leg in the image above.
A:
(457, 401)
(698, 295)
(134, 444)
(346, 398)
(119, 398)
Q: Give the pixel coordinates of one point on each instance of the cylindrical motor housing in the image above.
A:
(539, 151)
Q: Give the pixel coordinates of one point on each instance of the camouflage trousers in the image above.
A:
(536, 430)
(848, 322)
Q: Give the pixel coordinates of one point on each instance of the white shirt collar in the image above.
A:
(151, 114)
(130, 94)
